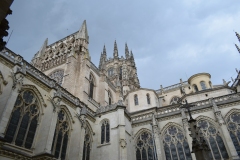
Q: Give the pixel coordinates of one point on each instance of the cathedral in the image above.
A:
(61, 106)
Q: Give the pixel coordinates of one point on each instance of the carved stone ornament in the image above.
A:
(123, 143)
(17, 80)
(3, 82)
(185, 123)
(215, 107)
(219, 118)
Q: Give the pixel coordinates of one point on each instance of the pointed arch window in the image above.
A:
(233, 123)
(61, 135)
(91, 86)
(144, 147)
(57, 76)
(175, 144)
(87, 145)
(105, 132)
(109, 97)
(136, 99)
(148, 99)
(174, 100)
(203, 85)
(24, 120)
(213, 139)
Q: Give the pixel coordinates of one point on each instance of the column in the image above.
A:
(122, 134)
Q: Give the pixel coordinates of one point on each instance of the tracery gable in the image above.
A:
(201, 117)
(171, 124)
(233, 110)
(140, 132)
(69, 115)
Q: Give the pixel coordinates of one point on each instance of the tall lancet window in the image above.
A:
(148, 99)
(91, 86)
(109, 97)
(144, 147)
(87, 145)
(175, 144)
(136, 99)
(213, 139)
(233, 123)
(60, 140)
(105, 132)
(24, 119)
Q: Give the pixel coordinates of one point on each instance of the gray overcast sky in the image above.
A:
(169, 39)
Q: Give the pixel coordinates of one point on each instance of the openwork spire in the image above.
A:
(126, 51)
(115, 53)
(238, 36)
(237, 48)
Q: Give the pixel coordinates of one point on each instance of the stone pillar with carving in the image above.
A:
(156, 136)
(226, 136)
(187, 132)
(121, 131)
(17, 75)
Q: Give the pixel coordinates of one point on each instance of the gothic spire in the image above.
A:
(83, 33)
(237, 48)
(238, 36)
(132, 55)
(103, 58)
(115, 53)
(126, 51)
(104, 50)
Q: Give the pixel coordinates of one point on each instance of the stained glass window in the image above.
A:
(57, 76)
(91, 86)
(61, 134)
(174, 100)
(233, 123)
(87, 146)
(105, 132)
(175, 144)
(136, 99)
(213, 139)
(148, 99)
(23, 122)
(144, 147)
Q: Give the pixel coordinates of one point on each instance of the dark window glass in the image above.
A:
(13, 125)
(167, 152)
(180, 151)
(187, 150)
(150, 154)
(203, 85)
(174, 152)
(91, 90)
(235, 142)
(22, 130)
(148, 99)
(58, 145)
(107, 133)
(222, 147)
(64, 147)
(138, 155)
(195, 88)
(31, 133)
(102, 134)
(144, 154)
(136, 99)
(214, 148)
(88, 152)
(54, 139)
(84, 150)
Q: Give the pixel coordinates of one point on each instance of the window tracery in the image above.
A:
(174, 100)
(233, 123)
(175, 144)
(24, 120)
(213, 139)
(144, 147)
(57, 76)
(105, 132)
(110, 72)
(61, 135)
(87, 145)
(136, 99)
(91, 85)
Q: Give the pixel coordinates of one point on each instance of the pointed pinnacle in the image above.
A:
(83, 33)
(104, 50)
(237, 48)
(115, 54)
(238, 36)
(44, 46)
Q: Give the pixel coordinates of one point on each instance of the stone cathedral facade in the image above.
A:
(60, 106)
